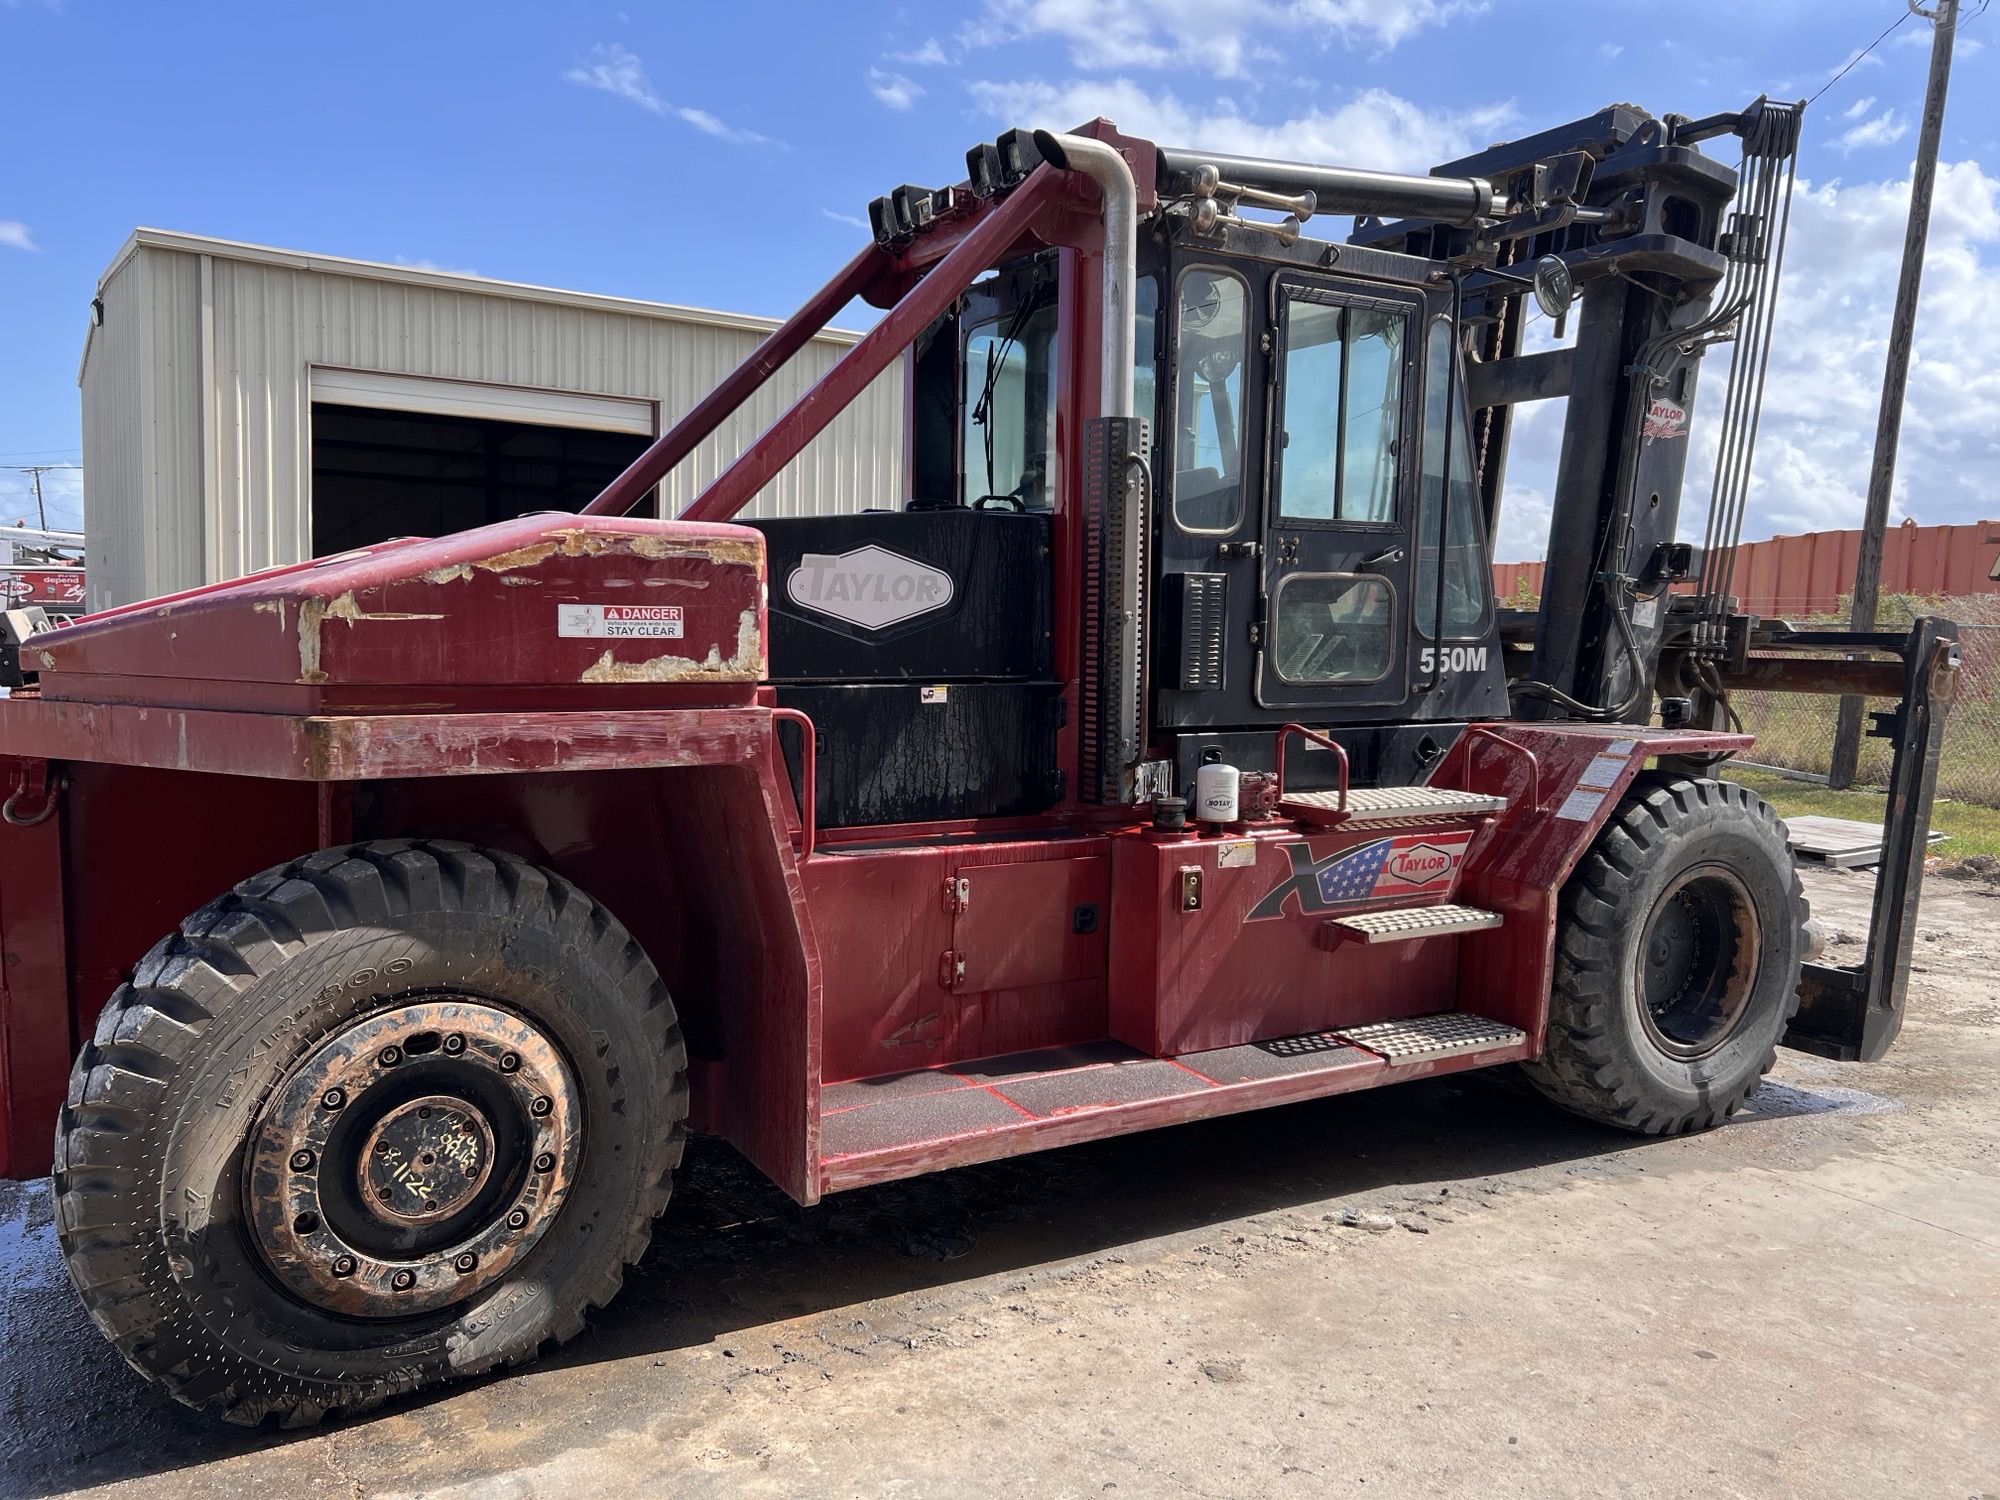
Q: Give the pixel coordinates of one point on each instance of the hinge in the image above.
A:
(957, 894)
(951, 969)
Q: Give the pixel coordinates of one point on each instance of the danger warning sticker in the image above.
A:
(617, 622)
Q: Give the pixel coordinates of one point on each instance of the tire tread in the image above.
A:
(154, 1024)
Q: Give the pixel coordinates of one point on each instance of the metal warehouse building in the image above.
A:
(246, 407)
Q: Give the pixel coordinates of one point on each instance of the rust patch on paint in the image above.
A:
(313, 612)
(747, 665)
(578, 541)
(520, 557)
(716, 549)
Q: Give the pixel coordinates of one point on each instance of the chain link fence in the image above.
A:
(1795, 730)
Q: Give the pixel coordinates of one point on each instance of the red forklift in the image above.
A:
(1161, 753)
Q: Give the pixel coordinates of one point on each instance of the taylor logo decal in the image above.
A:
(1412, 864)
(871, 586)
(1665, 420)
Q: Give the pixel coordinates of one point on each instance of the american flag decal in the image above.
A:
(1410, 864)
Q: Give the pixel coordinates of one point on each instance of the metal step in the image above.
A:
(1442, 1035)
(1391, 804)
(1412, 922)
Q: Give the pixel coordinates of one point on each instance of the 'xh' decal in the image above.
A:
(1413, 864)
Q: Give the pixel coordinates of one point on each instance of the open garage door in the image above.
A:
(396, 455)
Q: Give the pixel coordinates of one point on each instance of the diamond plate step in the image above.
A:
(1431, 1036)
(1411, 922)
(1391, 804)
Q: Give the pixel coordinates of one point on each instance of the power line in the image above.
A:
(1855, 61)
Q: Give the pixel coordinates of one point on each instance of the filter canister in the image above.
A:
(1215, 793)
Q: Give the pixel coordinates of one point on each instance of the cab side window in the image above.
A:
(1212, 332)
(1468, 580)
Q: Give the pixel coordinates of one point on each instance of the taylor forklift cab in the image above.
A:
(1161, 753)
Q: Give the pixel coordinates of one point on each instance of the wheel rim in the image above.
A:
(410, 1159)
(1697, 962)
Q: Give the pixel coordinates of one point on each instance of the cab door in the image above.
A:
(1335, 587)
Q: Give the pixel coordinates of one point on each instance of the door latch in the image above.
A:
(1237, 549)
(1387, 559)
(1190, 888)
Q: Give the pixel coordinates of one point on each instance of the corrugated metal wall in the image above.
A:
(183, 490)
(1807, 575)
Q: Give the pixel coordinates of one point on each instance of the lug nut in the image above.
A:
(302, 1161)
(541, 1107)
(466, 1262)
(343, 1265)
(545, 1162)
(518, 1219)
(305, 1223)
(402, 1281)
(333, 1098)
(454, 1044)
(388, 1057)
(509, 1062)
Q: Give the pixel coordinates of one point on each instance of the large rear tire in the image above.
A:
(1677, 960)
(387, 1115)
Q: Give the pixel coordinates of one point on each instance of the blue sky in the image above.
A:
(722, 155)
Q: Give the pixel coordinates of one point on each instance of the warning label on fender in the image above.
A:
(618, 622)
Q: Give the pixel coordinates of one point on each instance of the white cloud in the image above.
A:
(1831, 341)
(930, 55)
(1858, 108)
(837, 218)
(1611, 49)
(1884, 130)
(894, 89)
(617, 71)
(62, 498)
(1525, 514)
(1375, 129)
(14, 233)
(1215, 36)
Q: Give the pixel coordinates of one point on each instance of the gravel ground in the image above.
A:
(1443, 1289)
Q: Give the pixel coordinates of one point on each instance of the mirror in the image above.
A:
(1554, 292)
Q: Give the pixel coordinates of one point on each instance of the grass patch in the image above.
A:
(1972, 829)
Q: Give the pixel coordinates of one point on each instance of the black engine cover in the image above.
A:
(902, 596)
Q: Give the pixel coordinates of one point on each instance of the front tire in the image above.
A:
(387, 1115)
(1677, 960)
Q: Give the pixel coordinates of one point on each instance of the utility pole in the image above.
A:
(1889, 423)
(41, 511)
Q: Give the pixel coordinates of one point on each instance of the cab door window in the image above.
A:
(1212, 331)
(1332, 627)
(1343, 380)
